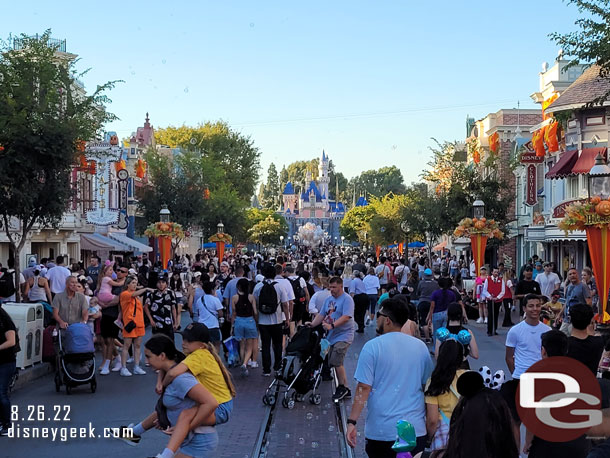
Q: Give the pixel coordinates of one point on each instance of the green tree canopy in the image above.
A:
(378, 183)
(235, 154)
(269, 193)
(255, 215)
(266, 232)
(44, 114)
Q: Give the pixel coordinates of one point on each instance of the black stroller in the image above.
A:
(76, 358)
(301, 370)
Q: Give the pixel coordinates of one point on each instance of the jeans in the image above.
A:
(271, 334)
(439, 320)
(361, 304)
(383, 449)
(372, 303)
(493, 310)
(7, 370)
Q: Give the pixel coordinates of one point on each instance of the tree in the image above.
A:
(234, 153)
(180, 184)
(589, 45)
(270, 193)
(355, 224)
(45, 115)
(296, 172)
(255, 215)
(378, 183)
(266, 232)
(339, 178)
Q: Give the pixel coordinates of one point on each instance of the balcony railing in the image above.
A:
(60, 45)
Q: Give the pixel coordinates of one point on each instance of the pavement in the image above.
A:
(305, 431)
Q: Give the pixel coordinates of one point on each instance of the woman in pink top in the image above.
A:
(478, 294)
(104, 287)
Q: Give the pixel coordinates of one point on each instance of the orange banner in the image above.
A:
(377, 251)
(401, 248)
(220, 250)
(478, 243)
(599, 251)
(165, 248)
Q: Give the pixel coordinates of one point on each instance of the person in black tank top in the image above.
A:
(454, 320)
(245, 316)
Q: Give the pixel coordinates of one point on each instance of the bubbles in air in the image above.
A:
(309, 415)
(314, 444)
(331, 428)
(301, 441)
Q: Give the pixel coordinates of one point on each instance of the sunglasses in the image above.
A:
(382, 314)
(124, 271)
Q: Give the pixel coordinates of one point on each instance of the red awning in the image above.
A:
(564, 165)
(587, 160)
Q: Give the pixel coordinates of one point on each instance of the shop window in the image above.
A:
(572, 189)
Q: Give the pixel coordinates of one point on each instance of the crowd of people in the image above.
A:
(420, 307)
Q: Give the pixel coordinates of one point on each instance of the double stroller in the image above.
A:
(75, 363)
(301, 370)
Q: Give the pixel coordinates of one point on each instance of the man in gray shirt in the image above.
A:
(425, 288)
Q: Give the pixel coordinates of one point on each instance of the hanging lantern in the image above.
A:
(120, 165)
(206, 193)
(141, 168)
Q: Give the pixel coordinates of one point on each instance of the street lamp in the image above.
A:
(282, 240)
(599, 182)
(342, 239)
(220, 228)
(478, 207)
(164, 214)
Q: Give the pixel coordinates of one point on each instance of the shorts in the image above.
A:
(245, 328)
(298, 312)
(108, 329)
(223, 412)
(336, 353)
(372, 302)
(200, 445)
(215, 335)
(423, 308)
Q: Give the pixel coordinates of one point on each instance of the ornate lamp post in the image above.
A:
(478, 209)
(282, 240)
(220, 238)
(598, 179)
(342, 240)
(478, 241)
(164, 231)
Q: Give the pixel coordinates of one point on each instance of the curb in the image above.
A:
(32, 373)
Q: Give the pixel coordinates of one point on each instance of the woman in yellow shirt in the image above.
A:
(441, 393)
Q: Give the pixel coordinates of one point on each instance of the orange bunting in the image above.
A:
(83, 161)
(141, 168)
(538, 142)
(550, 137)
(494, 143)
(476, 156)
(120, 165)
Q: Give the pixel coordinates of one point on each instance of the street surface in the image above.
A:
(306, 431)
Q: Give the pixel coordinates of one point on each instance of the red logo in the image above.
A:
(559, 399)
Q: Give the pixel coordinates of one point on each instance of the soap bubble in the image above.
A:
(301, 441)
(314, 444)
(252, 24)
(331, 428)
(287, 436)
(309, 416)
(163, 61)
(186, 90)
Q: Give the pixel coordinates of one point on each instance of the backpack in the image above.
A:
(299, 292)
(267, 298)
(400, 273)
(7, 284)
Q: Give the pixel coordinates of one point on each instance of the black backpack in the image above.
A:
(299, 292)
(267, 298)
(7, 284)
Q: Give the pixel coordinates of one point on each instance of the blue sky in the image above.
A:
(370, 82)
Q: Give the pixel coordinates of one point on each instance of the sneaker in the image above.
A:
(139, 371)
(485, 321)
(130, 439)
(266, 374)
(125, 372)
(341, 392)
(479, 320)
(117, 366)
(253, 364)
(130, 360)
(105, 371)
(513, 308)
(244, 371)
(368, 321)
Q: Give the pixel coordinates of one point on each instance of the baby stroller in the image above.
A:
(75, 358)
(301, 370)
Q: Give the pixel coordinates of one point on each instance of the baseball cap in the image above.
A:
(197, 274)
(196, 332)
(427, 272)
(260, 278)
(32, 262)
(224, 263)
(132, 271)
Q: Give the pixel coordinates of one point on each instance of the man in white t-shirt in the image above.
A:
(383, 273)
(271, 325)
(548, 281)
(402, 274)
(286, 287)
(57, 276)
(523, 349)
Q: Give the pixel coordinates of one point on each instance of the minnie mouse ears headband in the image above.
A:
(469, 384)
(462, 337)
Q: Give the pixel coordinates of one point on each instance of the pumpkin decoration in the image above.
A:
(164, 227)
(484, 219)
(114, 140)
(469, 227)
(474, 220)
(595, 200)
(603, 208)
(479, 225)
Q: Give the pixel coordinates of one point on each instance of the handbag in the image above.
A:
(132, 324)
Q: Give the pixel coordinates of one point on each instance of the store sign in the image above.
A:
(123, 182)
(104, 154)
(560, 210)
(531, 158)
(531, 191)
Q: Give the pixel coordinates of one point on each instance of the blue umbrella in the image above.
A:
(416, 245)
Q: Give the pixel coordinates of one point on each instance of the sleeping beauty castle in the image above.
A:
(309, 202)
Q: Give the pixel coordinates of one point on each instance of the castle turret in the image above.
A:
(323, 176)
